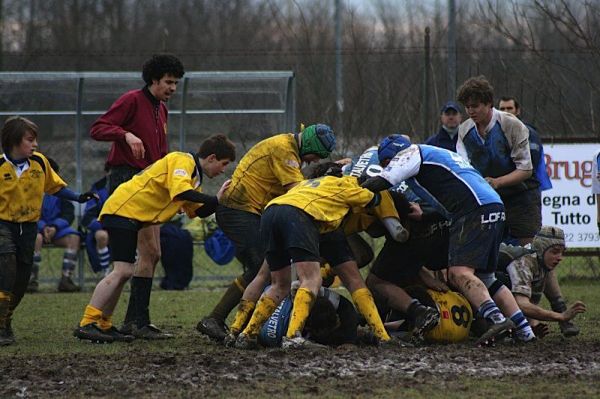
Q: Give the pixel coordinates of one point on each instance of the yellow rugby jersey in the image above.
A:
(327, 199)
(263, 172)
(21, 196)
(149, 196)
(357, 222)
(456, 317)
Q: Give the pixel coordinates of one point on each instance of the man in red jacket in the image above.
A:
(137, 126)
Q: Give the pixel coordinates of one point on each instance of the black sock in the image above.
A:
(130, 315)
(142, 300)
(228, 301)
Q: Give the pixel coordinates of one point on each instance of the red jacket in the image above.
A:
(137, 112)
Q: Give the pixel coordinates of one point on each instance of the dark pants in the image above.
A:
(243, 228)
(17, 241)
(120, 174)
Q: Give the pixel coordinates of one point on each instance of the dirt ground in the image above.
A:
(195, 367)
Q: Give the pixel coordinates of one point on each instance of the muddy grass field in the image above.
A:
(48, 362)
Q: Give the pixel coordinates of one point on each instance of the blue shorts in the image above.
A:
(290, 235)
(475, 238)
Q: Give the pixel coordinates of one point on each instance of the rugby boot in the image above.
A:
(495, 332)
(151, 332)
(246, 342)
(67, 285)
(568, 329)
(91, 332)
(118, 335)
(299, 342)
(426, 319)
(229, 340)
(215, 329)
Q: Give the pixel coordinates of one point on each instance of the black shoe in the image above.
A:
(215, 329)
(92, 332)
(151, 332)
(568, 329)
(6, 336)
(67, 285)
(495, 332)
(427, 318)
(127, 327)
(118, 335)
(33, 286)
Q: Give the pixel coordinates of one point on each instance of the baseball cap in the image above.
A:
(450, 105)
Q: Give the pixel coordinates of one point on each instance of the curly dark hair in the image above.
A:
(476, 89)
(160, 65)
(326, 169)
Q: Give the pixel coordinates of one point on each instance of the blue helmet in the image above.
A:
(391, 145)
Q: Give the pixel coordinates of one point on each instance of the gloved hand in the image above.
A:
(85, 197)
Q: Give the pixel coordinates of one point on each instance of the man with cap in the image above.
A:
(529, 272)
(269, 169)
(450, 118)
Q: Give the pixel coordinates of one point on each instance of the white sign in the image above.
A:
(570, 204)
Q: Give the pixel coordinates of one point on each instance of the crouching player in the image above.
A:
(529, 272)
(26, 175)
(151, 197)
(291, 228)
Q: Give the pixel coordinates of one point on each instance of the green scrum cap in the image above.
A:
(317, 139)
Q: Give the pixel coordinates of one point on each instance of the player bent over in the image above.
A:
(27, 175)
(290, 227)
(529, 271)
(152, 197)
(475, 210)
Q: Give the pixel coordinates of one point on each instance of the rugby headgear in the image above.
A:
(547, 237)
(317, 139)
(391, 145)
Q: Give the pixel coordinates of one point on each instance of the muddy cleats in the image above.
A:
(229, 340)
(33, 285)
(118, 336)
(246, 342)
(91, 332)
(495, 332)
(568, 329)
(67, 285)
(127, 327)
(213, 328)
(6, 336)
(299, 342)
(427, 318)
(151, 333)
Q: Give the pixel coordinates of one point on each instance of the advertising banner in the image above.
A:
(570, 204)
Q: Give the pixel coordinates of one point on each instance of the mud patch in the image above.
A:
(195, 367)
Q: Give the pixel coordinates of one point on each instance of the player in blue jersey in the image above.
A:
(496, 143)
(476, 213)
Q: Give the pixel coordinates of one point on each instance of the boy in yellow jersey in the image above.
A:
(340, 249)
(152, 197)
(269, 169)
(26, 175)
(291, 227)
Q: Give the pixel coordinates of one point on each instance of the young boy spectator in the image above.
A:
(26, 176)
(54, 227)
(150, 198)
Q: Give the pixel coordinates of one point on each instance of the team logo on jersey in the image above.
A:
(493, 217)
(180, 172)
(36, 173)
(7, 176)
(293, 163)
